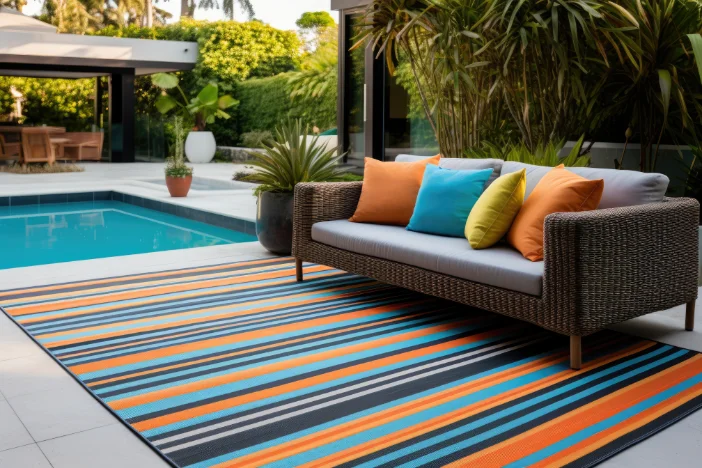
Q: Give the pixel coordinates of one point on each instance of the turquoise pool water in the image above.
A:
(64, 232)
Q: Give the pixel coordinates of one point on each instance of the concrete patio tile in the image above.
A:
(28, 456)
(678, 446)
(129, 264)
(65, 409)
(14, 343)
(111, 446)
(30, 374)
(667, 326)
(12, 431)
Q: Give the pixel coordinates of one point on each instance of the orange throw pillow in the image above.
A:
(390, 191)
(558, 191)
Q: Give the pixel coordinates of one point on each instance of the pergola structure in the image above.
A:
(31, 48)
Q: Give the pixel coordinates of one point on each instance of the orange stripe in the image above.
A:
(184, 321)
(203, 344)
(79, 313)
(603, 438)
(257, 349)
(585, 416)
(278, 366)
(392, 414)
(94, 291)
(308, 382)
(136, 277)
(127, 295)
(201, 330)
(196, 311)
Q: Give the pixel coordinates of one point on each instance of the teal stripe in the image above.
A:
(308, 313)
(176, 401)
(290, 352)
(370, 411)
(203, 292)
(424, 445)
(143, 286)
(67, 323)
(349, 380)
(607, 423)
(210, 313)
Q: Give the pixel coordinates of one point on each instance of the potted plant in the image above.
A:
(179, 177)
(208, 105)
(290, 158)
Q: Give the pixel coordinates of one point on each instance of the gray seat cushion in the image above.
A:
(621, 188)
(499, 266)
(461, 164)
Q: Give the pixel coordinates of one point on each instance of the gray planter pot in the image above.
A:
(274, 222)
(699, 257)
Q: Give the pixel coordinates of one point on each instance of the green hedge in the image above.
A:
(265, 102)
(67, 103)
(252, 61)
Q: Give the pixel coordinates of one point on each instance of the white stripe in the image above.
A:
(336, 401)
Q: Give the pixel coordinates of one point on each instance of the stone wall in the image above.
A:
(235, 153)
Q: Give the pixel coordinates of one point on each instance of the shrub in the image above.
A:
(66, 103)
(265, 102)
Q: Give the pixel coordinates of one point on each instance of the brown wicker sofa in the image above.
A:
(600, 267)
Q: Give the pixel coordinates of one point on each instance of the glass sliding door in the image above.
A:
(354, 106)
(407, 130)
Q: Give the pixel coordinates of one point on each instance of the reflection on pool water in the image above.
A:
(53, 233)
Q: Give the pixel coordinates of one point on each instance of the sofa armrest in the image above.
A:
(321, 201)
(606, 266)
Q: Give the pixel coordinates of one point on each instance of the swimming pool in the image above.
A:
(64, 232)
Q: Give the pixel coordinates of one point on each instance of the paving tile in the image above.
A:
(28, 456)
(65, 409)
(30, 374)
(111, 446)
(678, 446)
(14, 343)
(12, 431)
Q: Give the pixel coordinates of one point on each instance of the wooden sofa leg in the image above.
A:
(690, 316)
(298, 269)
(576, 352)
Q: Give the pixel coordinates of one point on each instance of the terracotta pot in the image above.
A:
(179, 186)
(274, 221)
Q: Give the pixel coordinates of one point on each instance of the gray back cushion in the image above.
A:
(461, 164)
(621, 188)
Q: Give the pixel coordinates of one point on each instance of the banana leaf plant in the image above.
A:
(207, 106)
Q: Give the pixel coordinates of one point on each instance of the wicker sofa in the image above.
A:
(600, 267)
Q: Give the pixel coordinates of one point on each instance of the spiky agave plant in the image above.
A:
(293, 157)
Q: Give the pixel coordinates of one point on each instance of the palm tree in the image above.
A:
(187, 7)
(16, 4)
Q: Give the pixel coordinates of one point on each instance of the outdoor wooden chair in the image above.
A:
(37, 146)
(83, 146)
(10, 151)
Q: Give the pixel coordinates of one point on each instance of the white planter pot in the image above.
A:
(699, 256)
(200, 147)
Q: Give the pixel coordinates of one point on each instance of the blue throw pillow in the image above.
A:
(445, 200)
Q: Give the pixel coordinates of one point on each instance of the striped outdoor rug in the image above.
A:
(238, 365)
